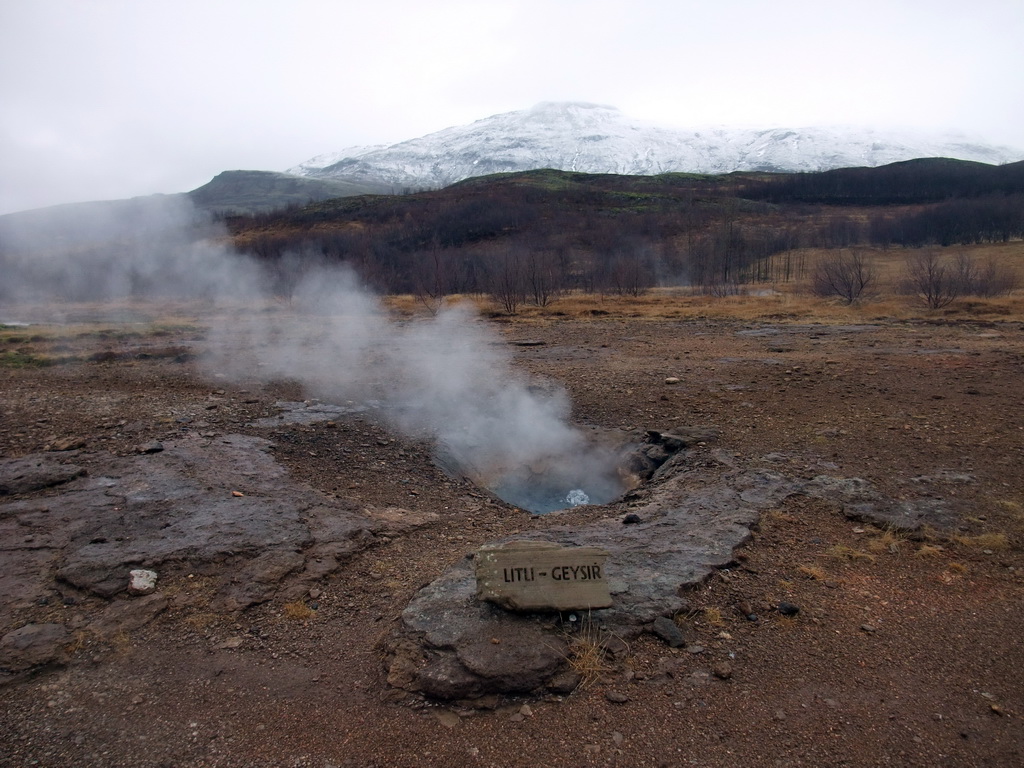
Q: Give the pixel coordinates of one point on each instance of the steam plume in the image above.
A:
(447, 378)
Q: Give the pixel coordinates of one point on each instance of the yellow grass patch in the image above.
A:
(997, 542)
(889, 541)
(843, 552)
(713, 616)
(297, 611)
(812, 572)
(587, 653)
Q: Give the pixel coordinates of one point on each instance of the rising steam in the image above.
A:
(447, 378)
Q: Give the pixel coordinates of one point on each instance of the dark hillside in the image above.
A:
(911, 182)
(622, 234)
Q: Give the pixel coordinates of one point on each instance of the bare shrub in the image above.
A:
(933, 279)
(508, 283)
(845, 274)
(939, 281)
(988, 280)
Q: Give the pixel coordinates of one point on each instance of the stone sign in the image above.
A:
(540, 575)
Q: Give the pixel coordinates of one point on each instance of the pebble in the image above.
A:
(868, 628)
(142, 582)
(788, 609)
(616, 697)
(446, 717)
(722, 670)
(667, 630)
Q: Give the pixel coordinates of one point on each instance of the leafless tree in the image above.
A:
(936, 282)
(431, 279)
(508, 280)
(988, 279)
(845, 274)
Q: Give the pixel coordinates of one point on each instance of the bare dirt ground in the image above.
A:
(906, 651)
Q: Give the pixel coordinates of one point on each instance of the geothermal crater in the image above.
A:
(603, 466)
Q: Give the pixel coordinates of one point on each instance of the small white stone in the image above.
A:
(142, 582)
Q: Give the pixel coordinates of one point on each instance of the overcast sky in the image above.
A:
(104, 99)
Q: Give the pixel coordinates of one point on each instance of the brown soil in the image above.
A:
(906, 650)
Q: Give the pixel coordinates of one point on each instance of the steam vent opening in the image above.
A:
(597, 474)
(542, 492)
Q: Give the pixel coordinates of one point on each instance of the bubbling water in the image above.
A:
(543, 493)
(577, 498)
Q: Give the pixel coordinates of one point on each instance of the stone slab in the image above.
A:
(542, 576)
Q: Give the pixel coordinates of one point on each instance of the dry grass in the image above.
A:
(778, 516)
(587, 653)
(928, 550)
(713, 616)
(1014, 509)
(812, 572)
(995, 542)
(889, 540)
(297, 611)
(79, 641)
(843, 552)
(201, 619)
(768, 302)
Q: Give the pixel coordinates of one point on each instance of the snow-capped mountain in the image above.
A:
(592, 138)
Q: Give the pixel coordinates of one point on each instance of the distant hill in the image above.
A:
(591, 138)
(77, 225)
(241, 192)
(925, 180)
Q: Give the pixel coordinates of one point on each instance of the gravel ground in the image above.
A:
(905, 650)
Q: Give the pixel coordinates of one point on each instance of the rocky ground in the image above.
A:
(287, 550)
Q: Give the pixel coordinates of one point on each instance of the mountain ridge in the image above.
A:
(594, 138)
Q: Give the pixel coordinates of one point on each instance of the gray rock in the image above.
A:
(256, 581)
(788, 609)
(691, 526)
(859, 500)
(512, 658)
(667, 630)
(34, 473)
(616, 697)
(32, 645)
(565, 682)
(172, 506)
(446, 678)
(128, 615)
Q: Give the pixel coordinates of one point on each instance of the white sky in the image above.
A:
(106, 98)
